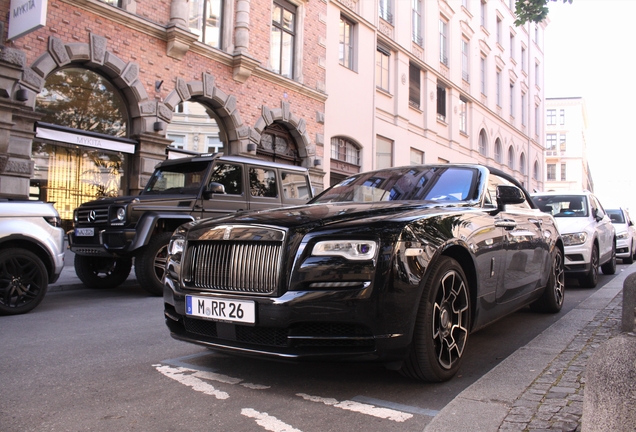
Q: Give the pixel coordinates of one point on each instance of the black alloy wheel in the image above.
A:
(442, 325)
(102, 272)
(150, 264)
(551, 301)
(23, 281)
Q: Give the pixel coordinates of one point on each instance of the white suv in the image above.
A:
(587, 232)
(31, 253)
(625, 234)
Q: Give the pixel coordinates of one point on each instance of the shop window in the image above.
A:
(205, 20)
(84, 100)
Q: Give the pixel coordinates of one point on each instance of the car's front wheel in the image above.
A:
(441, 326)
(630, 258)
(551, 300)
(102, 272)
(609, 268)
(23, 281)
(150, 264)
(591, 278)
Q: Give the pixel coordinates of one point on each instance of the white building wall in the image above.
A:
(355, 108)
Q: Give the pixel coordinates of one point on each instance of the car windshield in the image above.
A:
(616, 216)
(432, 183)
(562, 205)
(185, 178)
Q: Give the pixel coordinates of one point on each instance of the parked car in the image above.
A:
(397, 266)
(109, 232)
(31, 253)
(588, 234)
(625, 234)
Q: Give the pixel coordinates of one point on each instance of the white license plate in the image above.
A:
(84, 232)
(221, 309)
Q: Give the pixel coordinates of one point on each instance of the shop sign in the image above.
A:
(26, 16)
(84, 140)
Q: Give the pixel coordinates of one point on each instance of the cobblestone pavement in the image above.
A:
(554, 401)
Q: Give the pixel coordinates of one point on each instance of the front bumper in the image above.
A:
(623, 249)
(104, 242)
(299, 325)
(577, 259)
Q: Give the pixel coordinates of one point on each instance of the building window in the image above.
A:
(463, 115)
(562, 117)
(441, 103)
(443, 41)
(482, 11)
(512, 46)
(414, 86)
(536, 121)
(417, 22)
(498, 153)
(213, 144)
(523, 59)
(550, 142)
(498, 88)
(551, 173)
(498, 31)
(512, 100)
(523, 109)
(482, 77)
(346, 43)
(535, 171)
(383, 153)
(178, 141)
(417, 157)
(344, 150)
(385, 10)
(382, 68)
(465, 4)
(551, 117)
(522, 163)
(536, 34)
(283, 34)
(563, 173)
(465, 60)
(483, 143)
(206, 17)
(511, 157)
(562, 142)
(536, 75)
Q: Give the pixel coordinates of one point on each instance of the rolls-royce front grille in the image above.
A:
(244, 267)
(92, 216)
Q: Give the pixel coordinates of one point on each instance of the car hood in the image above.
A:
(314, 215)
(568, 225)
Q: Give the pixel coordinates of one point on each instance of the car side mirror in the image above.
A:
(214, 188)
(509, 195)
(596, 215)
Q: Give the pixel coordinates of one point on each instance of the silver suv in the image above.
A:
(587, 232)
(31, 253)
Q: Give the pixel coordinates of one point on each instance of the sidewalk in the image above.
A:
(540, 386)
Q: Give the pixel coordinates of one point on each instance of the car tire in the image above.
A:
(441, 325)
(102, 272)
(590, 280)
(609, 268)
(23, 281)
(630, 258)
(150, 264)
(551, 301)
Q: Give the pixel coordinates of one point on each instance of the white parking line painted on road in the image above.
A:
(397, 406)
(362, 408)
(186, 376)
(268, 422)
(213, 376)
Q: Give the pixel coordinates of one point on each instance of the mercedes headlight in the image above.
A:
(622, 235)
(121, 214)
(356, 250)
(574, 238)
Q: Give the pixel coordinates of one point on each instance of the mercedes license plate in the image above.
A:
(84, 232)
(221, 309)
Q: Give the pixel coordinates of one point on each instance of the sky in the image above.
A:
(588, 53)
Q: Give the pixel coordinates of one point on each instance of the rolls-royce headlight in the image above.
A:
(176, 245)
(574, 238)
(349, 249)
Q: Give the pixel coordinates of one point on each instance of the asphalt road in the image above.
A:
(87, 360)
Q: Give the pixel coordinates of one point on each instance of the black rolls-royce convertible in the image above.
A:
(397, 265)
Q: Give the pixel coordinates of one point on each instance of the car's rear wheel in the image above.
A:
(23, 281)
(609, 268)
(102, 272)
(441, 326)
(591, 278)
(150, 264)
(551, 300)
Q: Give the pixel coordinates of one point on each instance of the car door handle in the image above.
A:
(506, 223)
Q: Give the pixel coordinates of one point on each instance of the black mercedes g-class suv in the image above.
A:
(109, 232)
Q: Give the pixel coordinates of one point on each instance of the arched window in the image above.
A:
(522, 163)
(511, 157)
(195, 127)
(84, 100)
(498, 152)
(344, 150)
(483, 143)
(535, 173)
(278, 145)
